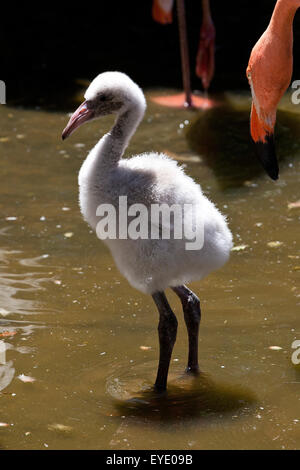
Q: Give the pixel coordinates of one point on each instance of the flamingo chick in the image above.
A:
(269, 74)
(150, 265)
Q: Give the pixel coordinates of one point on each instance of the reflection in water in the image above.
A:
(192, 397)
(221, 136)
(7, 372)
(297, 374)
(14, 286)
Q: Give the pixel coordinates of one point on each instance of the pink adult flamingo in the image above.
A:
(162, 13)
(269, 73)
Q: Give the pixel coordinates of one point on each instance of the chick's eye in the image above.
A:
(102, 98)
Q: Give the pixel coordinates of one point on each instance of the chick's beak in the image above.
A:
(81, 115)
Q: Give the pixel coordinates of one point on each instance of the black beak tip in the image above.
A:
(267, 156)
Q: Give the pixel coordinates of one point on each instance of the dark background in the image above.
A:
(45, 47)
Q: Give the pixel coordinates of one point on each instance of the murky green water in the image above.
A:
(70, 321)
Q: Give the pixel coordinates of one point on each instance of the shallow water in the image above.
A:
(69, 320)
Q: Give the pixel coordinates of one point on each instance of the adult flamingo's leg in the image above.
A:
(167, 332)
(184, 51)
(162, 13)
(205, 60)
